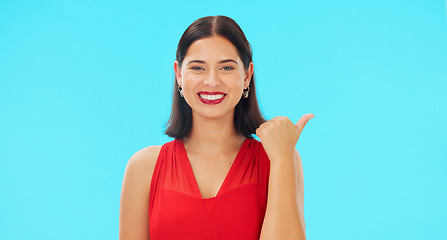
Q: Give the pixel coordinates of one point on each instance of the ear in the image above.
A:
(177, 70)
(248, 74)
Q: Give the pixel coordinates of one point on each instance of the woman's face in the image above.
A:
(212, 77)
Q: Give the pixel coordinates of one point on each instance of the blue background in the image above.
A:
(85, 84)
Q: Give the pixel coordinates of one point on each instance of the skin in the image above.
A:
(212, 147)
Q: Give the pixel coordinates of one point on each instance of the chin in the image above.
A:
(213, 114)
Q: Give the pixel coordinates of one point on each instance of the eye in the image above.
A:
(227, 68)
(197, 68)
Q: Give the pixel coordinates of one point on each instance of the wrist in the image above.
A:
(284, 161)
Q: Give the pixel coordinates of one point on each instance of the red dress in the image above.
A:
(178, 211)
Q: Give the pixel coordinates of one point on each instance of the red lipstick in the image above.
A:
(211, 97)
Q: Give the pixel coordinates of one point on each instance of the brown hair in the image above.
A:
(247, 115)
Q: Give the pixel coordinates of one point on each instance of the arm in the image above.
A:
(284, 218)
(134, 204)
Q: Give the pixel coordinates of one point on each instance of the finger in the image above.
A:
(258, 130)
(303, 121)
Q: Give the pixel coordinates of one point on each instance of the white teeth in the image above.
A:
(211, 97)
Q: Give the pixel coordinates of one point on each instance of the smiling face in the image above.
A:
(212, 77)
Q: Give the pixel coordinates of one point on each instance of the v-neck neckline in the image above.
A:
(228, 175)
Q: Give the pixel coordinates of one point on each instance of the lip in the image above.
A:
(211, 102)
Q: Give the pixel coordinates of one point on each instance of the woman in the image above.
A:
(212, 181)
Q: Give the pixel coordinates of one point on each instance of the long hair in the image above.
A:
(247, 115)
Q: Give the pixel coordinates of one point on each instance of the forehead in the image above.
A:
(212, 49)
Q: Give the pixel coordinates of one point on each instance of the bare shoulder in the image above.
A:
(139, 169)
(134, 203)
(143, 161)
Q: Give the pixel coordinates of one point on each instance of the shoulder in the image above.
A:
(135, 194)
(142, 162)
(138, 175)
(140, 168)
(260, 154)
(145, 155)
(258, 147)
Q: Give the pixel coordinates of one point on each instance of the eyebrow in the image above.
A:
(220, 62)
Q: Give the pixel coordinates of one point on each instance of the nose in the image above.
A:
(212, 79)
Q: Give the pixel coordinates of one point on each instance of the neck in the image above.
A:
(213, 135)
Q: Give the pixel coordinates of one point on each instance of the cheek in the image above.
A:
(237, 80)
(189, 79)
